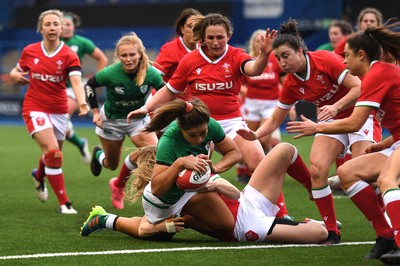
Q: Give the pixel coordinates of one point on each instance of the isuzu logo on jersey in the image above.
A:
(214, 86)
(328, 95)
(47, 77)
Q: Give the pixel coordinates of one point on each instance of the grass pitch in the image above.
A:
(34, 233)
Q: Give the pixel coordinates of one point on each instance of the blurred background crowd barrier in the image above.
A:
(104, 21)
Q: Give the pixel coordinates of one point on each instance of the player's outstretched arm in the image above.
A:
(172, 225)
(159, 98)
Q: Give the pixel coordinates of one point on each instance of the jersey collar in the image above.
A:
(184, 45)
(216, 61)
(373, 62)
(55, 52)
(308, 69)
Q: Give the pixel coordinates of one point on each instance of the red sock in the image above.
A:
(347, 157)
(392, 208)
(123, 176)
(366, 200)
(40, 170)
(339, 162)
(248, 173)
(282, 206)
(241, 169)
(57, 183)
(298, 170)
(327, 212)
(125, 172)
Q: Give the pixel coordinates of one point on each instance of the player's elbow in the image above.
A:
(237, 155)
(157, 191)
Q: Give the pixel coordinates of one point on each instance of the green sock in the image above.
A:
(76, 140)
(97, 155)
(108, 221)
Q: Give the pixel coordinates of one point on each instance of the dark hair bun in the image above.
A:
(290, 27)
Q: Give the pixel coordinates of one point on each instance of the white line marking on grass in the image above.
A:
(130, 251)
(341, 197)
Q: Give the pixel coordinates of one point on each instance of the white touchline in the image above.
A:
(129, 251)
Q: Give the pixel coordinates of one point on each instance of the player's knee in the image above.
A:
(286, 147)
(317, 171)
(384, 182)
(342, 172)
(53, 159)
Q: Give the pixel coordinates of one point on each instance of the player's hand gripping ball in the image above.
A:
(190, 180)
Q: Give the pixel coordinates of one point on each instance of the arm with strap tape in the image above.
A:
(171, 225)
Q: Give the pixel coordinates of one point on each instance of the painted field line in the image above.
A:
(130, 251)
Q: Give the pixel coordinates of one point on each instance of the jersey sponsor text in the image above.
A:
(328, 95)
(47, 77)
(214, 86)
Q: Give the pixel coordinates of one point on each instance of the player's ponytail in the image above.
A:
(141, 175)
(188, 115)
(379, 43)
(290, 36)
(198, 28)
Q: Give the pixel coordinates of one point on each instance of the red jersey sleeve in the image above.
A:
(382, 93)
(178, 82)
(166, 61)
(374, 87)
(22, 66)
(73, 63)
(333, 65)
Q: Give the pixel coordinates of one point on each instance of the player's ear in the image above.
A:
(361, 54)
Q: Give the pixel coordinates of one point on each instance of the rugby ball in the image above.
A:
(190, 180)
